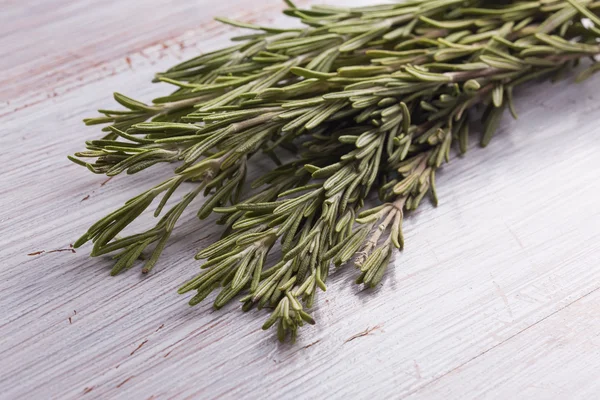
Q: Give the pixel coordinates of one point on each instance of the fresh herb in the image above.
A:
(368, 100)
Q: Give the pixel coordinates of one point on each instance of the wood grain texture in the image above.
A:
(496, 296)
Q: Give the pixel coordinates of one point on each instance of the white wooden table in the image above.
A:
(496, 295)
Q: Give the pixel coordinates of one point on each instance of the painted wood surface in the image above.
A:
(495, 296)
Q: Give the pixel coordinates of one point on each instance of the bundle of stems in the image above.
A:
(362, 100)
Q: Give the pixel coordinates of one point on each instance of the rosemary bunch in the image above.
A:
(367, 100)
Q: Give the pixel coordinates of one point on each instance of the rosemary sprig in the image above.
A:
(364, 98)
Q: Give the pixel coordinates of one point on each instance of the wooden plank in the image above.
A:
(562, 353)
(495, 296)
(60, 45)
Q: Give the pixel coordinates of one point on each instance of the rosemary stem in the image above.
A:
(362, 98)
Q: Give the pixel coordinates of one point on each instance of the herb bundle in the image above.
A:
(367, 100)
